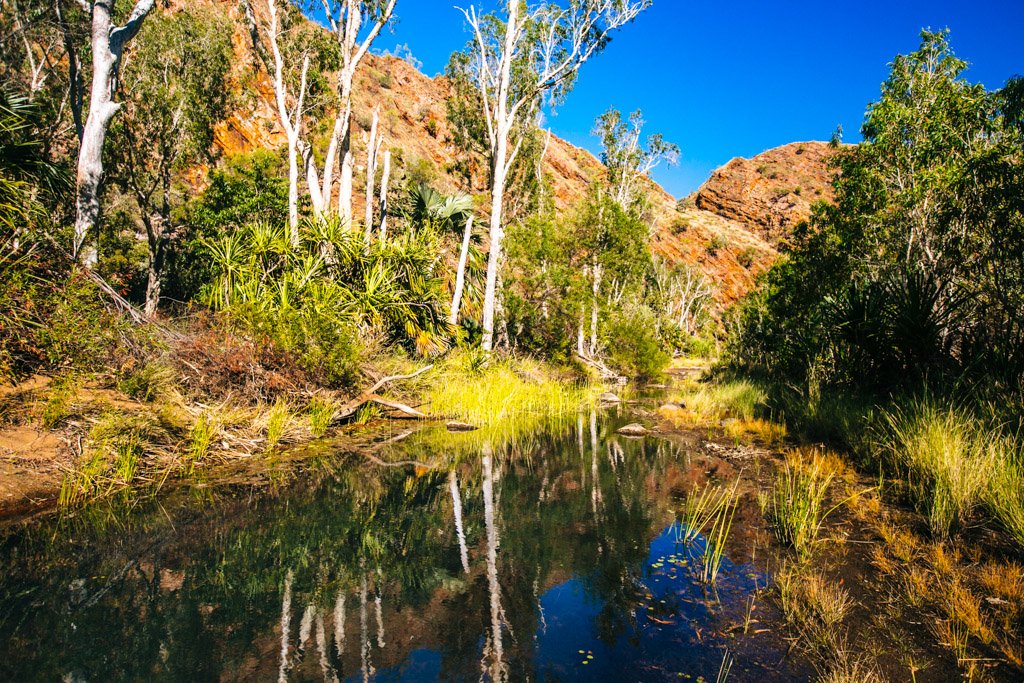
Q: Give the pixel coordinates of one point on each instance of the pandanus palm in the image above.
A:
(448, 213)
(23, 163)
(330, 277)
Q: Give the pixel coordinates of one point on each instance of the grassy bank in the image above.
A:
(170, 417)
(921, 498)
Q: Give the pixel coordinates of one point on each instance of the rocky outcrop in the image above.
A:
(772, 192)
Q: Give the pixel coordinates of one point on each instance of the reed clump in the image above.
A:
(797, 505)
(952, 464)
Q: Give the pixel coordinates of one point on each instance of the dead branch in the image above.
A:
(370, 395)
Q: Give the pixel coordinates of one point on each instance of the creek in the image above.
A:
(552, 555)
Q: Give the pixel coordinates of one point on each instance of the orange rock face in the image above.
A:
(772, 192)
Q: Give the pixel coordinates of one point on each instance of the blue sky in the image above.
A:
(733, 78)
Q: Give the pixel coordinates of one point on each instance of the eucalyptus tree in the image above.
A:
(293, 54)
(106, 44)
(175, 93)
(518, 61)
(355, 25)
(627, 159)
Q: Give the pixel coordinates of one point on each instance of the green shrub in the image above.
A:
(634, 347)
(715, 244)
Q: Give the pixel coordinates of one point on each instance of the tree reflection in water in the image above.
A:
(502, 563)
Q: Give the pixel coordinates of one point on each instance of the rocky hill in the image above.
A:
(772, 192)
(730, 230)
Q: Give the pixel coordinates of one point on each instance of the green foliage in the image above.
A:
(175, 92)
(553, 266)
(634, 347)
(24, 167)
(314, 298)
(915, 276)
(53, 318)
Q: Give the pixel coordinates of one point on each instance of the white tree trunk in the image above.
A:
(107, 46)
(460, 275)
(348, 162)
(293, 189)
(497, 233)
(371, 176)
(597, 270)
(385, 178)
(581, 335)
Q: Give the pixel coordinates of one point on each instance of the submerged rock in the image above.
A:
(632, 430)
(461, 427)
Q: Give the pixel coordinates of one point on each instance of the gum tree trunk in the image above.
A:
(107, 47)
(460, 276)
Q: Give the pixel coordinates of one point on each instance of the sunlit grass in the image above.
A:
(279, 422)
(321, 412)
(740, 399)
(503, 394)
(950, 462)
(740, 406)
(796, 506)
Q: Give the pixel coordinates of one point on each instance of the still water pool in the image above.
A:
(553, 556)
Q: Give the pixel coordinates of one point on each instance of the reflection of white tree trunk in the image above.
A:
(595, 488)
(286, 625)
(379, 609)
(453, 484)
(496, 669)
(339, 624)
(321, 645)
(582, 447)
(364, 631)
(306, 626)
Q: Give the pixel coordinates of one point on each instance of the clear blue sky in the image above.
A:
(733, 78)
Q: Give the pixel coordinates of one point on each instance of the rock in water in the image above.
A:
(632, 430)
(609, 397)
(461, 427)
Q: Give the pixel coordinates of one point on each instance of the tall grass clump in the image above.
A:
(279, 419)
(948, 459)
(512, 394)
(698, 511)
(1004, 495)
(111, 458)
(321, 412)
(796, 508)
(815, 606)
(200, 436)
(717, 536)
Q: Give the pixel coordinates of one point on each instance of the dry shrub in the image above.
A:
(216, 362)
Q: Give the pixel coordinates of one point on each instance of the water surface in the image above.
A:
(551, 557)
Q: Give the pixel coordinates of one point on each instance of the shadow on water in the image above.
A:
(554, 557)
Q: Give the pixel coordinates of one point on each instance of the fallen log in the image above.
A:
(349, 408)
